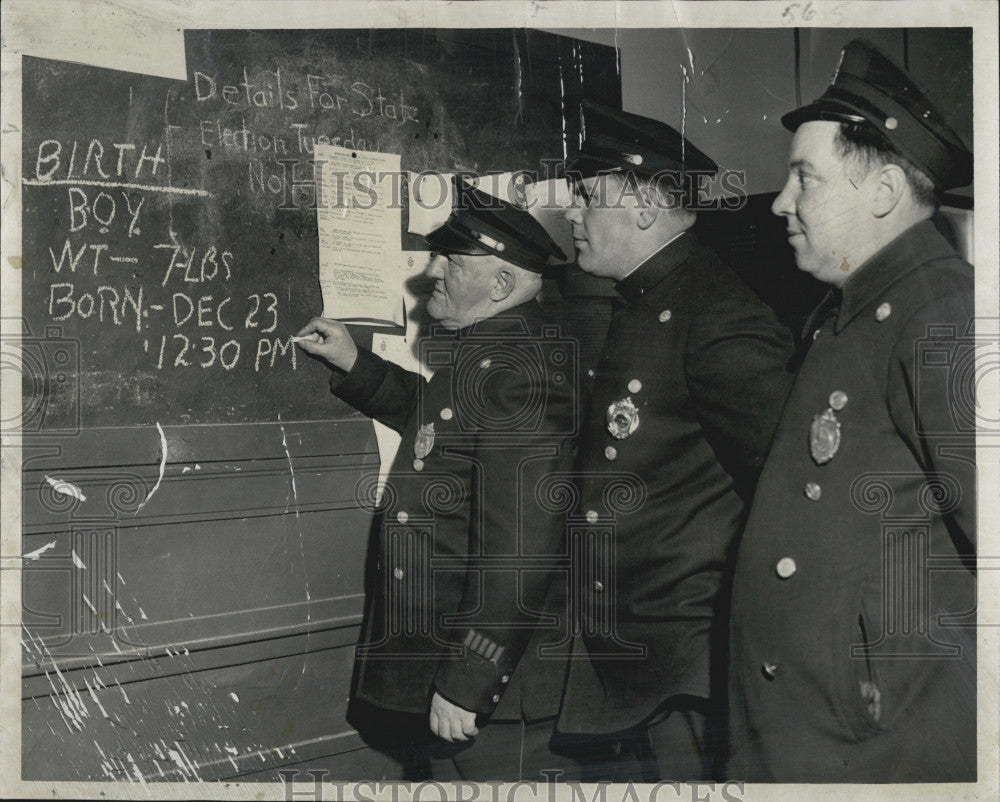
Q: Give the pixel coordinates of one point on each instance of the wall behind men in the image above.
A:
(726, 89)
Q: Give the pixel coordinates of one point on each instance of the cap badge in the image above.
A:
(623, 418)
(824, 437)
(424, 441)
(489, 242)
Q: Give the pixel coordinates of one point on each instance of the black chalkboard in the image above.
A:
(169, 238)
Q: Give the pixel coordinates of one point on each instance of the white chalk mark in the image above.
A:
(124, 695)
(96, 701)
(34, 555)
(291, 470)
(163, 466)
(234, 697)
(120, 579)
(34, 182)
(185, 469)
(65, 488)
(87, 602)
(142, 614)
(77, 561)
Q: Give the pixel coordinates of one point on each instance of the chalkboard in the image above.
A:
(169, 234)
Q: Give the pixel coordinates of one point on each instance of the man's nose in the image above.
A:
(573, 215)
(435, 268)
(784, 203)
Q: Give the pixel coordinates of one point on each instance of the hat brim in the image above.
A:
(446, 240)
(821, 110)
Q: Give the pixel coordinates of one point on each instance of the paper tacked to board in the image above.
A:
(359, 221)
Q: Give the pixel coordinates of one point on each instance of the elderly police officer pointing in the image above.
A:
(464, 575)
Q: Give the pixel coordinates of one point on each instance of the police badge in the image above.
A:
(824, 437)
(623, 418)
(423, 443)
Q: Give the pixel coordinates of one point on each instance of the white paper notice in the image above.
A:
(402, 350)
(359, 219)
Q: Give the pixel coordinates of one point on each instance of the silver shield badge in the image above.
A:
(824, 437)
(424, 441)
(623, 418)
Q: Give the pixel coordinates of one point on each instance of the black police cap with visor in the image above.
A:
(618, 142)
(480, 224)
(867, 87)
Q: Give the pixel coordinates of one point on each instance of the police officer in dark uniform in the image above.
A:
(687, 392)
(464, 596)
(853, 645)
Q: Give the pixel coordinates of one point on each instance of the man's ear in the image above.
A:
(503, 284)
(889, 190)
(650, 208)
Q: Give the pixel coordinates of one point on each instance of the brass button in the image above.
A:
(418, 464)
(891, 123)
(496, 698)
(402, 517)
(786, 567)
(598, 585)
(591, 516)
(610, 452)
(398, 573)
(770, 670)
(446, 413)
(505, 679)
(665, 315)
(485, 363)
(813, 491)
(838, 400)
(634, 386)
(883, 311)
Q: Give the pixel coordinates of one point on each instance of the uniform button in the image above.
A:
(634, 386)
(883, 311)
(501, 247)
(398, 573)
(838, 400)
(891, 123)
(590, 373)
(496, 698)
(591, 516)
(418, 464)
(770, 670)
(446, 413)
(785, 567)
(665, 315)
(505, 679)
(402, 517)
(610, 452)
(598, 585)
(813, 491)
(485, 363)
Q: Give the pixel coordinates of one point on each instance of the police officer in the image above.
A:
(852, 652)
(686, 395)
(463, 598)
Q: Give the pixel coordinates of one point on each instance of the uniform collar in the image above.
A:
(914, 247)
(657, 267)
(523, 318)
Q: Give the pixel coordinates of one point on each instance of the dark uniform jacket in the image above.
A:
(853, 656)
(703, 362)
(463, 593)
